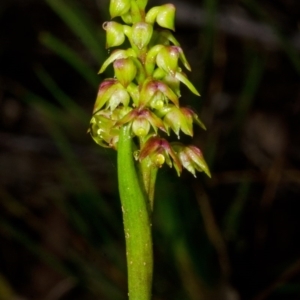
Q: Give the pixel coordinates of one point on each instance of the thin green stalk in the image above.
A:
(137, 221)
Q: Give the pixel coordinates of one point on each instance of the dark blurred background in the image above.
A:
(235, 236)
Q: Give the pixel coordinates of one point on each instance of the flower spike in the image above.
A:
(145, 91)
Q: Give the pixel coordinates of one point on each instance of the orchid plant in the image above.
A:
(135, 113)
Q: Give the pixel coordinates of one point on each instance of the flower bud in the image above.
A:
(152, 87)
(159, 151)
(125, 70)
(118, 7)
(114, 34)
(158, 101)
(141, 34)
(164, 16)
(159, 159)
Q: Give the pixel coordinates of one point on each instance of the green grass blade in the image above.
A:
(70, 56)
(61, 97)
(81, 26)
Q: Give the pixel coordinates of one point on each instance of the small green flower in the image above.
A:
(141, 119)
(191, 158)
(112, 93)
(178, 118)
(151, 88)
(160, 151)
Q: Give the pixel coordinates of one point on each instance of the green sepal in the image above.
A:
(197, 121)
(166, 37)
(182, 77)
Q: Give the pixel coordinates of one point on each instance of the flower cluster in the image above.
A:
(145, 90)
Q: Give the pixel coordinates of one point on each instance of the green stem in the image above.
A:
(137, 221)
